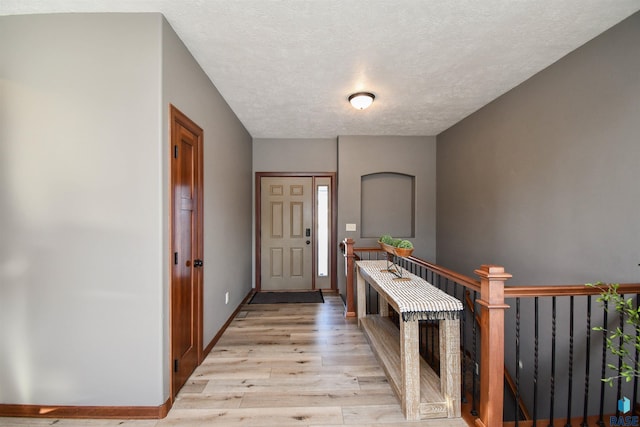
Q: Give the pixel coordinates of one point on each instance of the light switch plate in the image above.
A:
(351, 227)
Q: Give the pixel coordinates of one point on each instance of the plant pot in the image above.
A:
(401, 252)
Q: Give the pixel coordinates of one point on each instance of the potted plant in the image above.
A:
(398, 247)
(619, 342)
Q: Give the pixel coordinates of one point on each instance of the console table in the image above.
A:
(422, 393)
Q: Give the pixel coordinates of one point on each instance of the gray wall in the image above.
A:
(352, 157)
(363, 155)
(80, 261)
(227, 184)
(84, 207)
(544, 180)
(295, 155)
(292, 155)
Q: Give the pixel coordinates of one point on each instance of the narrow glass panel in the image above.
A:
(323, 230)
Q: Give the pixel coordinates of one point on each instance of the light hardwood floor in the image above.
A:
(281, 365)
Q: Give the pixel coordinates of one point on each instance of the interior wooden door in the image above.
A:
(286, 226)
(186, 248)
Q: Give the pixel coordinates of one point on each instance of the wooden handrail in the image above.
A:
(461, 279)
(512, 386)
(492, 300)
(492, 307)
(371, 249)
(472, 309)
(564, 290)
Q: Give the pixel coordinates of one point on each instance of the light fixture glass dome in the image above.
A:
(361, 100)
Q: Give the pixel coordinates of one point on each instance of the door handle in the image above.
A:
(308, 242)
(198, 263)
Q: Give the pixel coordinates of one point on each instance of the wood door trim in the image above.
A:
(178, 117)
(334, 219)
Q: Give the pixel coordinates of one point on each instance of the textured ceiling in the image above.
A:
(286, 67)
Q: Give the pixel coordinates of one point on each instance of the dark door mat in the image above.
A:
(287, 297)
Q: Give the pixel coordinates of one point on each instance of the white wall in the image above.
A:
(81, 210)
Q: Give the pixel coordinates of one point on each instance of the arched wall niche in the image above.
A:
(387, 205)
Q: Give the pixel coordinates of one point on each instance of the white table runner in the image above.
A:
(416, 298)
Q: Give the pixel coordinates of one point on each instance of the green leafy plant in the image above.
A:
(386, 239)
(618, 341)
(398, 243)
(405, 244)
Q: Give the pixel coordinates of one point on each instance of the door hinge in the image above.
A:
(175, 258)
(175, 151)
(175, 365)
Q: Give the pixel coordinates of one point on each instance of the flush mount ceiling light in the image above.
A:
(361, 100)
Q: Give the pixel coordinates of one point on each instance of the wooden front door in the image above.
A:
(186, 248)
(286, 215)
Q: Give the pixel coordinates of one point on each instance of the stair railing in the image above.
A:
(557, 358)
(484, 359)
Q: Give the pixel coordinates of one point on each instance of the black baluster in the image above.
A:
(474, 347)
(603, 368)
(585, 406)
(367, 296)
(377, 303)
(552, 385)
(422, 342)
(464, 349)
(517, 362)
(635, 379)
(620, 345)
(432, 338)
(535, 362)
(570, 385)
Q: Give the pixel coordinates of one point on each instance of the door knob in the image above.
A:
(308, 242)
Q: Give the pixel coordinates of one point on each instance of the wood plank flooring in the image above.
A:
(281, 365)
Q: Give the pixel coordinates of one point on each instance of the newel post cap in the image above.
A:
(492, 278)
(492, 272)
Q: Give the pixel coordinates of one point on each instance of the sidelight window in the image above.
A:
(322, 232)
